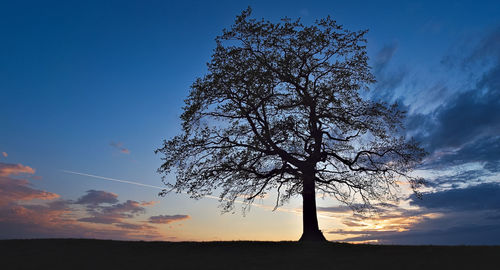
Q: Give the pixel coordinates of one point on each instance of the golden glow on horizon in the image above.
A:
(205, 222)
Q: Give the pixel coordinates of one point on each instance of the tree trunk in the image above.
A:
(311, 232)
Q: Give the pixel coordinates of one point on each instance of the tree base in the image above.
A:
(312, 236)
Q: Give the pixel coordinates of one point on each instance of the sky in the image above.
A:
(89, 89)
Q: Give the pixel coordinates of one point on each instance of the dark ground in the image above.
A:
(104, 254)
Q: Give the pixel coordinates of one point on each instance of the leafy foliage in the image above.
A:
(282, 101)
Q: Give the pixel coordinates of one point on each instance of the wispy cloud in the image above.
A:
(150, 203)
(166, 219)
(4, 154)
(119, 146)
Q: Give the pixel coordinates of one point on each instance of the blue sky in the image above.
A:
(94, 86)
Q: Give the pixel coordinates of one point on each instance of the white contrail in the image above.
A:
(140, 184)
(281, 209)
(112, 179)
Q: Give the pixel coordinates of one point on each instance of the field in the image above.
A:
(105, 254)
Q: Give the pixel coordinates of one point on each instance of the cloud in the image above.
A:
(101, 219)
(467, 119)
(131, 226)
(450, 217)
(115, 213)
(150, 203)
(465, 128)
(26, 212)
(459, 179)
(484, 196)
(14, 169)
(95, 197)
(388, 80)
(358, 208)
(56, 220)
(166, 219)
(353, 224)
(119, 147)
(458, 235)
(4, 154)
(486, 48)
(383, 57)
(20, 190)
(335, 209)
(12, 189)
(447, 228)
(127, 208)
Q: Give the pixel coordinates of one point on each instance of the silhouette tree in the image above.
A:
(281, 109)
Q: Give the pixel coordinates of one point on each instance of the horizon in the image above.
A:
(90, 90)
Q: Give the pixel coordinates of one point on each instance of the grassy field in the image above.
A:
(104, 254)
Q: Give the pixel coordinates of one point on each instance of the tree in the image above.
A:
(281, 109)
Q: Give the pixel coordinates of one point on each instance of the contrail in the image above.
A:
(288, 210)
(112, 179)
(140, 184)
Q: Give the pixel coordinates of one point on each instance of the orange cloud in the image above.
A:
(4, 154)
(389, 219)
(102, 215)
(14, 169)
(13, 190)
(151, 203)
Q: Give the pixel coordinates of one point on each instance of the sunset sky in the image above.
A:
(89, 89)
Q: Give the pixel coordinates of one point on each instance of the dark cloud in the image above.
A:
(457, 123)
(465, 128)
(484, 150)
(469, 216)
(441, 228)
(484, 196)
(115, 213)
(95, 197)
(469, 118)
(458, 235)
(127, 208)
(166, 219)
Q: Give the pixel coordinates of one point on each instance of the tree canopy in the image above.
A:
(281, 108)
